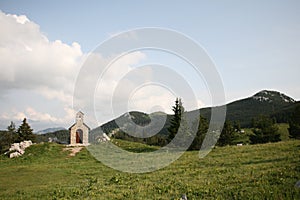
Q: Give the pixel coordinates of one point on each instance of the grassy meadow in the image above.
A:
(267, 171)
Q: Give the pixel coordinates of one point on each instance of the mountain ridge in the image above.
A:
(49, 130)
(265, 102)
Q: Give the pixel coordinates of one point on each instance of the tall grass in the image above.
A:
(267, 171)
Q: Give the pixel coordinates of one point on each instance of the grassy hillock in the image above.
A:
(267, 171)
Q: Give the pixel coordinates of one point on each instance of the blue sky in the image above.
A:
(254, 44)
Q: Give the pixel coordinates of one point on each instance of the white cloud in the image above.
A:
(37, 116)
(149, 89)
(29, 61)
(37, 119)
(108, 78)
(158, 99)
(22, 19)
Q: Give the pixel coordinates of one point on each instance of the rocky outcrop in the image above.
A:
(18, 149)
(102, 138)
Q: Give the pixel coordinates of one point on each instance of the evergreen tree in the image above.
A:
(11, 129)
(264, 130)
(185, 135)
(25, 132)
(202, 130)
(227, 134)
(5, 141)
(294, 123)
(176, 119)
(7, 137)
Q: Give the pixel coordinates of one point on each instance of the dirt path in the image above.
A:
(73, 150)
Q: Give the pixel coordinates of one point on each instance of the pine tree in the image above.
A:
(25, 132)
(227, 134)
(185, 136)
(11, 129)
(7, 137)
(175, 121)
(5, 141)
(202, 130)
(294, 124)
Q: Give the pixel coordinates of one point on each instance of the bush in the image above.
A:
(264, 130)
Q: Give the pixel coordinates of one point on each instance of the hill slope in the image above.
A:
(61, 136)
(46, 171)
(270, 103)
(49, 130)
(262, 103)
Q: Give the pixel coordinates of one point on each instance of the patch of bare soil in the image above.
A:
(73, 150)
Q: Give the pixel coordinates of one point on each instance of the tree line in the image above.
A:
(264, 129)
(16, 135)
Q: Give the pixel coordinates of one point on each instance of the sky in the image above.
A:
(254, 45)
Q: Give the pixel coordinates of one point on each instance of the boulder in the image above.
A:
(102, 138)
(18, 149)
(25, 144)
(14, 154)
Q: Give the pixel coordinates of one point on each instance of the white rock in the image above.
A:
(18, 149)
(103, 138)
(14, 154)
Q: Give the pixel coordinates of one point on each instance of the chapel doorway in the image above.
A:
(79, 136)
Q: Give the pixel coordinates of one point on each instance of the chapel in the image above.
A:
(79, 132)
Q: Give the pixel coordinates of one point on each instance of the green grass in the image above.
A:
(244, 137)
(283, 130)
(134, 146)
(267, 171)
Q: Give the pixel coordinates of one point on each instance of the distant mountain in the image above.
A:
(60, 136)
(262, 103)
(284, 114)
(270, 103)
(139, 118)
(273, 97)
(50, 130)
